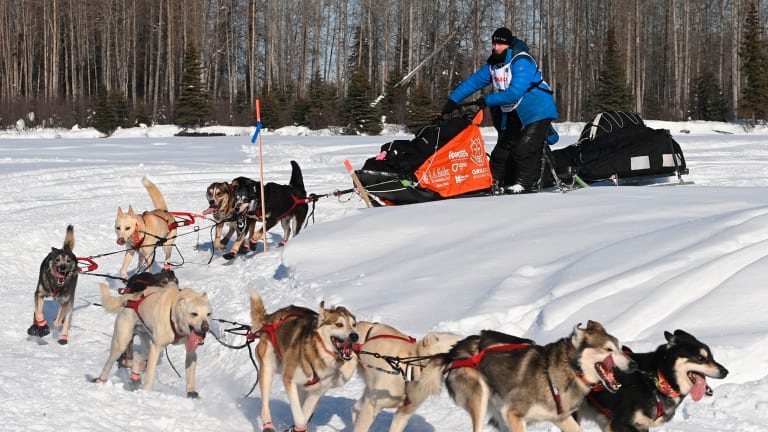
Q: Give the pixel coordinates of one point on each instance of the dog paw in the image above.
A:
(98, 380)
(133, 384)
(193, 395)
(243, 249)
(63, 341)
(39, 329)
(229, 256)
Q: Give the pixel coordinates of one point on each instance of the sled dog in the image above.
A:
(57, 279)
(390, 383)
(311, 350)
(145, 232)
(160, 316)
(517, 381)
(221, 201)
(649, 396)
(286, 204)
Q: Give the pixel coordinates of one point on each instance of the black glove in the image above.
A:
(449, 107)
(481, 103)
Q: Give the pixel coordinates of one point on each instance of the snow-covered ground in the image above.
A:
(641, 260)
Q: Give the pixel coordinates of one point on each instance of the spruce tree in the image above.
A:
(421, 111)
(753, 103)
(105, 116)
(321, 110)
(193, 107)
(394, 105)
(706, 100)
(612, 92)
(360, 116)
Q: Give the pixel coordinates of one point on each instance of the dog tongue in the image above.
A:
(699, 387)
(193, 340)
(209, 210)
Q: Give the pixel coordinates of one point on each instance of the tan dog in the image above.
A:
(146, 231)
(385, 385)
(160, 316)
(312, 351)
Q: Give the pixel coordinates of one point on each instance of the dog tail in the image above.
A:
(429, 382)
(297, 179)
(69, 239)
(109, 302)
(154, 193)
(258, 312)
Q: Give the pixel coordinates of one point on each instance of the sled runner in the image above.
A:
(446, 159)
(617, 148)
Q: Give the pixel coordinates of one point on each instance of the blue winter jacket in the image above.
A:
(537, 103)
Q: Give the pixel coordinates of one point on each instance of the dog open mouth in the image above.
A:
(343, 347)
(699, 386)
(605, 372)
(212, 209)
(61, 276)
(194, 339)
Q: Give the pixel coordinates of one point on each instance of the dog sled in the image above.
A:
(446, 159)
(616, 148)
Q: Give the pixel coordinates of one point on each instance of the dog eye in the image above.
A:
(339, 325)
(194, 314)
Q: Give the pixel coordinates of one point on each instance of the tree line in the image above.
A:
(348, 63)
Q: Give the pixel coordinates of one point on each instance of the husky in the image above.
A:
(286, 204)
(390, 383)
(57, 279)
(161, 316)
(313, 352)
(649, 396)
(221, 202)
(145, 232)
(517, 381)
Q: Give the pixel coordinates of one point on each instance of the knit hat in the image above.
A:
(502, 35)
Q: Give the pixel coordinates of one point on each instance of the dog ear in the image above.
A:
(578, 335)
(119, 212)
(130, 211)
(669, 337)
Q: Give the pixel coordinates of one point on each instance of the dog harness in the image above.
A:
(134, 304)
(271, 330)
(663, 387)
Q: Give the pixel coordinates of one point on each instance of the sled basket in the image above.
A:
(446, 159)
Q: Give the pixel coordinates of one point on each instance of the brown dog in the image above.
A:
(57, 279)
(144, 232)
(312, 351)
(221, 203)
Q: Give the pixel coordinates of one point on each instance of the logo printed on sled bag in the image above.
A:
(461, 154)
(459, 166)
(478, 151)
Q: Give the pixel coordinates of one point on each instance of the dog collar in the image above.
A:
(325, 348)
(664, 387)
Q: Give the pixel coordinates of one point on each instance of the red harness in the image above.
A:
(662, 385)
(270, 329)
(134, 304)
(475, 360)
(296, 202)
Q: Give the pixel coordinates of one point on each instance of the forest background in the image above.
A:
(337, 63)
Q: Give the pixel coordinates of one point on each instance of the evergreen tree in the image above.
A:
(706, 100)
(612, 92)
(193, 107)
(105, 117)
(421, 111)
(322, 109)
(271, 108)
(753, 103)
(360, 116)
(394, 105)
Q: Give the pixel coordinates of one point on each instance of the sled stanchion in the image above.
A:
(358, 185)
(261, 174)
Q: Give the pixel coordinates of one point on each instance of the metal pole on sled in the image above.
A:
(257, 136)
